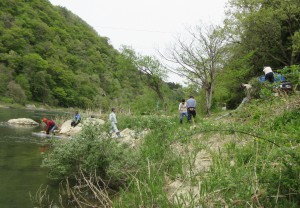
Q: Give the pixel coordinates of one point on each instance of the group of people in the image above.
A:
(187, 109)
(269, 76)
(51, 125)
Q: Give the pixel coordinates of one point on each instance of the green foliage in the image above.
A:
(288, 123)
(76, 68)
(258, 148)
(147, 186)
(91, 151)
(16, 92)
(267, 27)
(228, 81)
(292, 74)
(23, 81)
(151, 122)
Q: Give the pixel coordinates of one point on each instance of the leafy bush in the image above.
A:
(140, 123)
(91, 151)
(292, 74)
(288, 123)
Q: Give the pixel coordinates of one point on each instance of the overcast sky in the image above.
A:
(145, 25)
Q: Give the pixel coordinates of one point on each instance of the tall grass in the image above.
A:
(248, 159)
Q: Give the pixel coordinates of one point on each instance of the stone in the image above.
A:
(23, 121)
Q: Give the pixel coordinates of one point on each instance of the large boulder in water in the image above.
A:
(22, 122)
(67, 129)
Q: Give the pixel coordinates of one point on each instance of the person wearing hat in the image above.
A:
(113, 121)
(269, 75)
(50, 125)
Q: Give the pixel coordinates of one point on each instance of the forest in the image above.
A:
(49, 55)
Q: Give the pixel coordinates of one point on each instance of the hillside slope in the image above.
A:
(49, 55)
(250, 157)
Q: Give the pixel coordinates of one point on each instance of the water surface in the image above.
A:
(21, 157)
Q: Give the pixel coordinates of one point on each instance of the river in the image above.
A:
(20, 158)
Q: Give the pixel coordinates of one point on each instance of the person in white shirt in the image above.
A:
(269, 75)
(248, 89)
(113, 121)
(182, 110)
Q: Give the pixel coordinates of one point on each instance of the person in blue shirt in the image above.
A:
(76, 119)
(191, 108)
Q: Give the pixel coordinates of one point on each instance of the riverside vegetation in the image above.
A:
(246, 158)
(249, 158)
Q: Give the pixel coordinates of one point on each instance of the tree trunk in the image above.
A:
(209, 93)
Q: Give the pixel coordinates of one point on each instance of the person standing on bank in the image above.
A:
(191, 108)
(269, 75)
(113, 121)
(182, 110)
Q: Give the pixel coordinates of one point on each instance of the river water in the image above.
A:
(20, 158)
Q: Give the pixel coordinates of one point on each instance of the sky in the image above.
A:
(145, 25)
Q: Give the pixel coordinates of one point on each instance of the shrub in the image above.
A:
(91, 151)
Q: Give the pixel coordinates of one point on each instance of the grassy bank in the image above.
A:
(248, 157)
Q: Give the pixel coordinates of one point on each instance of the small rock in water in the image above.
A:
(23, 121)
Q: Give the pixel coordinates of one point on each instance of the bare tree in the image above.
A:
(199, 58)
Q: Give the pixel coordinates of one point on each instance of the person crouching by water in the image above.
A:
(191, 108)
(50, 125)
(113, 121)
(182, 110)
(76, 119)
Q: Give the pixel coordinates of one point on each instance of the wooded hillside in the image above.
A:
(49, 55)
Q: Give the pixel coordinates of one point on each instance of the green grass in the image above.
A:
(249, 158)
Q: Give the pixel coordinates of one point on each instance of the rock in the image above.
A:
(67, 129)
(131, 137)
(23, 121)
(93, 121)
(30, 106)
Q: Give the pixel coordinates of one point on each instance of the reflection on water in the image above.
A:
(20, 158)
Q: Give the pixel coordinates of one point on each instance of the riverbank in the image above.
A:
(191, 165)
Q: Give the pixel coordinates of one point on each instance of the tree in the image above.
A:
(152, 73)
(151, 70)
(16, 92)
(199, 58)
(270, 28)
